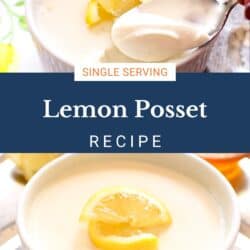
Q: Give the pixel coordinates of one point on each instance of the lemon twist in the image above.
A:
(101, 10)
(125, 219)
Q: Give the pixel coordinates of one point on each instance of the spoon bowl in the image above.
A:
(169, 28)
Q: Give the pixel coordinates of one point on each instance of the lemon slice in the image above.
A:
(128, 206)
(118, 7)
(29, 164)
(101, 10)
(110, 237)
(95, 13)
(8, 57)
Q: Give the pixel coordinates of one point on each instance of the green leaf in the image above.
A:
(22, 22)
(19, 3)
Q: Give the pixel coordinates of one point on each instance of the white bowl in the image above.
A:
(195, 61)
(186, 164)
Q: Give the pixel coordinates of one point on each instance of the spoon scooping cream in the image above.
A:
(152, 38)
(158, 30)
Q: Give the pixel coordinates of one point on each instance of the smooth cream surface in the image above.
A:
(62, 25)
(54, 213)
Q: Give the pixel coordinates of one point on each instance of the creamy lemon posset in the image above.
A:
(124, 205)
(121, 31)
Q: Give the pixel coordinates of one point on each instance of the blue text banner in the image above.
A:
(197, 113)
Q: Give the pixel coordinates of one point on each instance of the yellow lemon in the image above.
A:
(124, 218)
(7, 57)
(95, 13)
(111, 237)
(118, 7)
(126, 205)
(29, 164)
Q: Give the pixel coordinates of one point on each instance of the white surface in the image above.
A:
(243, 243)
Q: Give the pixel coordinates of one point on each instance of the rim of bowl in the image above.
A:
(37, 35)
(231, 237)
(29, 12)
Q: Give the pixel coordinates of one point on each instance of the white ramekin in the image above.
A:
(53, 62)
(187, 164)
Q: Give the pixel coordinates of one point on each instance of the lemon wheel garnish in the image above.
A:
(124, 218)
(126, 205)
(111, 237)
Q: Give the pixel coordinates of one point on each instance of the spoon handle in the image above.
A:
(242, 243)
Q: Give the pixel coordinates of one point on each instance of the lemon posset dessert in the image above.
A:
(124, 205)
(80, 31)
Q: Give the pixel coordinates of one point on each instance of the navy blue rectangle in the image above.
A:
(227, 128)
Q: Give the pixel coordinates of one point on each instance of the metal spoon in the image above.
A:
(220, 20)
(211, 14)
(205, 17)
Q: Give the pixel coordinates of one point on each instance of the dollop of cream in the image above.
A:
(149, 37)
